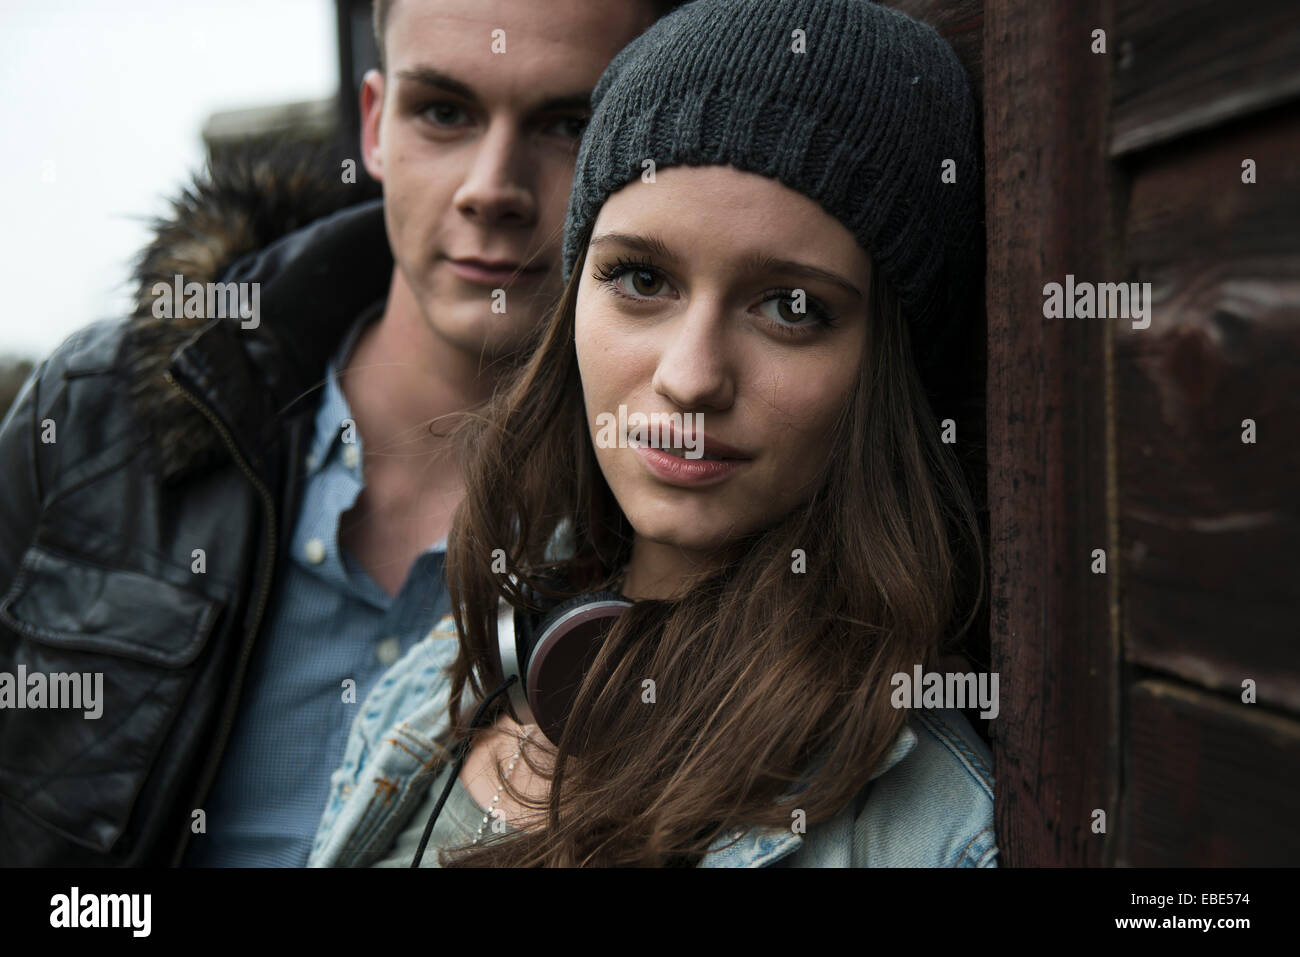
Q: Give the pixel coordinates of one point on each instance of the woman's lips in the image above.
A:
(496, 275)
(683, 472)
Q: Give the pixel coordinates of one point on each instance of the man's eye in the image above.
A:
(444, 114)
(571, 127)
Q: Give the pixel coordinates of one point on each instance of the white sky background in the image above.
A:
(110, 96)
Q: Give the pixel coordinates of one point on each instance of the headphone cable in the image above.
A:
(462, 751)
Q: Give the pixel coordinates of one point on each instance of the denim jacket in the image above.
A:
(930, 804)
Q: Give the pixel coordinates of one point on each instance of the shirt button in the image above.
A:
(314, 551)
(388, 651)
(351, 456)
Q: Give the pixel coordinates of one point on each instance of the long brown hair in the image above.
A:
(764, 668)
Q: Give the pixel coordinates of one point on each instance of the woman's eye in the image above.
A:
(789, 310)
(632, 280)
(641, 282)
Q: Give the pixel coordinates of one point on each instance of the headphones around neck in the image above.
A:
(551, 653)
(543, 657)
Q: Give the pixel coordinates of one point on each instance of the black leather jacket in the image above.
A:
(168, 436)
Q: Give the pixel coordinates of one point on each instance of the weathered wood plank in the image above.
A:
(1208, 523)
(1211, 782)
(1189, 205)
(1183, 65)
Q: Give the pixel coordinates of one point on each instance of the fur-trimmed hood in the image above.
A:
(247, 198)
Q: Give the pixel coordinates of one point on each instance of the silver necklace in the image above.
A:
(500, 787)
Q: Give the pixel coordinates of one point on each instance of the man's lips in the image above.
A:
(494, 272)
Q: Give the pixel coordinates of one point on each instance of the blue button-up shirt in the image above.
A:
(331, 633)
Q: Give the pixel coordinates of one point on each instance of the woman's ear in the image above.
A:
(372, 108)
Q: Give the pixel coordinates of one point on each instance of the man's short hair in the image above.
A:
(384, 7)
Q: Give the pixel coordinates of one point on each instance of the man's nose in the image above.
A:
(696, 369)
(494, 191)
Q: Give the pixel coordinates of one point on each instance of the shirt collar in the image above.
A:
(334, 408)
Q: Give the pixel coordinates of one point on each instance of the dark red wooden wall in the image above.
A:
(1123, 737)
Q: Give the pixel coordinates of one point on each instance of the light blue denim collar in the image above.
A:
(761, 846)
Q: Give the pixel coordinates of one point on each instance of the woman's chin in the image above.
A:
(687, 532)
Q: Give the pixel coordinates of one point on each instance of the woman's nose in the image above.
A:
(696, 368)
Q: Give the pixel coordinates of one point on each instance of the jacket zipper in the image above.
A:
(268, 502)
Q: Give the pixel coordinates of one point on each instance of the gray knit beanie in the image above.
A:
(862, 120)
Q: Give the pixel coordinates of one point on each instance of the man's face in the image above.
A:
(474, 132)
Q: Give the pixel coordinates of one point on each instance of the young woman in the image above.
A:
(773, 230)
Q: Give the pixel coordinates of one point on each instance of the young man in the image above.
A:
(220, 531)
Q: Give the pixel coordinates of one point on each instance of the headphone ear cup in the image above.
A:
(524, 621)
(528, 622)
(559, 651)
(533, 626)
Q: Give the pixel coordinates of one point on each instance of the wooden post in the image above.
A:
(1054, 621)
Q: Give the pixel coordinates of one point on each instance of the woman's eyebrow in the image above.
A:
(757, 262)
(754, 263)
(650, 244)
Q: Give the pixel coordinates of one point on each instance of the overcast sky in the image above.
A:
(102, 110)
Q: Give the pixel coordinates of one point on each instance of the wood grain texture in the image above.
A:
(1054, 645)
(1208, 524)
(1184, 65)
(1210, 782)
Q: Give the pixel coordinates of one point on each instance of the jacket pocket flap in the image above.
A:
(71, 604)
